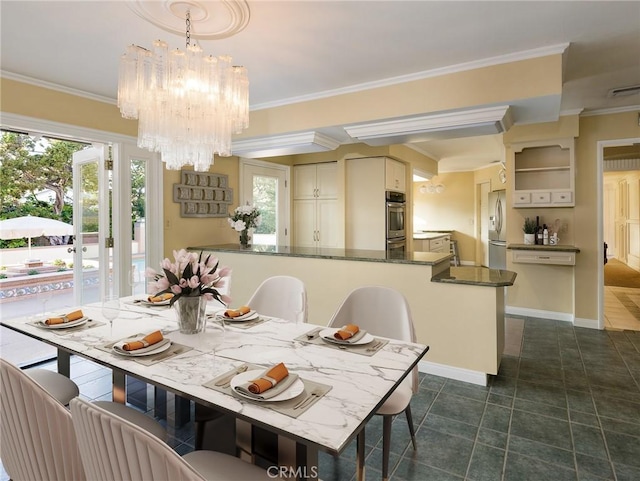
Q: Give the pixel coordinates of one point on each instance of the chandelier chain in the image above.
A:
(188, 22)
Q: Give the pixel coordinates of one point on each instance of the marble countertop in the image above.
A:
(535, 247)
(477, 276)
(420, 258)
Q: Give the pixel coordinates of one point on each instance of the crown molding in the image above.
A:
(289, 144)
(616, 110)
(437, 72)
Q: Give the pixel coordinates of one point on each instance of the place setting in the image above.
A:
(348, 337)
(242, 318)
(66, 323)
(274, 387)
(146, 349)
(155, 301)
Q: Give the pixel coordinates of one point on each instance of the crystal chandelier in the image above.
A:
(188, 104)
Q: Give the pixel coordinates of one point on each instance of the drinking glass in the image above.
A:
(212, 336)
(44, 296)
(110, 310)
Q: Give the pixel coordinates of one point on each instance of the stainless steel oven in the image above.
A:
(395, 205)
(396, 248)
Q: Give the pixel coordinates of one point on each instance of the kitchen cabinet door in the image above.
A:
(304, 223)
(326, 212)
(395, 179)
(315, 181)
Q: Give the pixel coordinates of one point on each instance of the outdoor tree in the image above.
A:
(28, 170)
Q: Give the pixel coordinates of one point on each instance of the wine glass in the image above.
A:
(212, 336)
(44, 295)
(110, 310)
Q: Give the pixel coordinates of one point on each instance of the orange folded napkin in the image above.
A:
(162, 297)
(269, 379)
(347, 332)
(237, 312)
(146, 341)
(72, 316)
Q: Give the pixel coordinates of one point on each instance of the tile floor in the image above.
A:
(564, 406)
(622, 308)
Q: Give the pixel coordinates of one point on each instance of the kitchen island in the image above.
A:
(458, 312)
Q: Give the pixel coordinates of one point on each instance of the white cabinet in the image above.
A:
(559, 258)
(315, 205)
(439, 244)
(315, 181)
(395, 176)
(543, 174)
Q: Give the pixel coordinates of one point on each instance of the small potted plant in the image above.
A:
(529, 229)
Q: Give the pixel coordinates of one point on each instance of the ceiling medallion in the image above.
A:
(215, 19)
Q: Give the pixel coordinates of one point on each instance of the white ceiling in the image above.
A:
(296, 50)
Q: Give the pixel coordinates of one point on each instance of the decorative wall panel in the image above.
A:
(202, 194)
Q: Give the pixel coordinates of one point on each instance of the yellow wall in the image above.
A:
(538, 287)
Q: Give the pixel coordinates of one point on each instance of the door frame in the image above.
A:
(601, 145)
(155, 173)
(284, 240)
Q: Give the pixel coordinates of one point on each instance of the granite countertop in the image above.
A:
(476, 276)
(535, 247)
(430, 235)
(420, 258)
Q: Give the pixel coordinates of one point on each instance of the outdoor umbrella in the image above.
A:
(32, 226)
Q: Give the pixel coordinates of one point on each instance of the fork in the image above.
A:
(306, 401)
(226, 381)
(374, 346)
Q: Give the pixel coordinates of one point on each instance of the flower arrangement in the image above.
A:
(245, 219)
(190, 276)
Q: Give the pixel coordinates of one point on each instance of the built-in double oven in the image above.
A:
(395, 224)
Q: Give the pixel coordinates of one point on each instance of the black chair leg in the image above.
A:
(411, 429)
(386, 445)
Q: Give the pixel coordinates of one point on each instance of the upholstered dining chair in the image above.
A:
(59, 386)
(37, 439)
(113, 449)
(284, 297)
(36, 432)
(383, 311)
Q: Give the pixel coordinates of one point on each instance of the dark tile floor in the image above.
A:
(566, 408)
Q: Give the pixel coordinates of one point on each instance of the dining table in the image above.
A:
(338, 387)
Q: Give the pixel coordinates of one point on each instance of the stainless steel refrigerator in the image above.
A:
(497, 230)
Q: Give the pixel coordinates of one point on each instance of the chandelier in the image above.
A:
(188, 104)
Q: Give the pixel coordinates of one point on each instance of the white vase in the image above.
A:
(529, 239)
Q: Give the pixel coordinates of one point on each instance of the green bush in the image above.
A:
(32, 272)
(59, 263)
(3, 276)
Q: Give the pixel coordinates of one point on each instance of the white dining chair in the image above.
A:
(37, 439)
(385, 312)
(113, 449)
(284, 297)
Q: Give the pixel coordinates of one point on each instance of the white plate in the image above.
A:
(65, 325)
(147, 302)
(145, 351)
(249, 316)
(327, 335)
(292, 391)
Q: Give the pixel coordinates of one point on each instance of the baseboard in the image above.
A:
(553, 315)
(457, 373)
(467, 263)
(589, 323)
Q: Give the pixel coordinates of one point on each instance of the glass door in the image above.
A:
(265, 185)
(91, 201)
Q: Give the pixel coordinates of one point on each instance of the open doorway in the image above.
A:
(621, 235)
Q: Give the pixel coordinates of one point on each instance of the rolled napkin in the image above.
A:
(347, 332)
(160, 298)
(146, 341)
(72, 316)
(237, 312)
(269, 379)
(270, 384)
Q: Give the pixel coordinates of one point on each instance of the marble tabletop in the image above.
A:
(359, 384)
